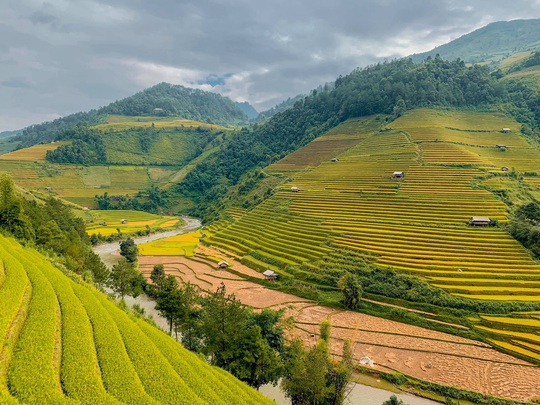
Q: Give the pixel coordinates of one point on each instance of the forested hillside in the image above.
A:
(161, 100)
(490, 43)
(389, 88)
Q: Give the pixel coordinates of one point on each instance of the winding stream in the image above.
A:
(360, 395)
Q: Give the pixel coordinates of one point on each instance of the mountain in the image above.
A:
(284, 105)
(163, 99)
(491, 43)
(6, 134)
(248, 109)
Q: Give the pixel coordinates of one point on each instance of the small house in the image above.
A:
(223, 264)
(398, 175)
(334, 160)
(501, 146)
(203, 228)
(270, 275)
(295, 189)
(48, 188)
(123, 221)
(479, 221)
(505, 130)
(203, 236)
(504, 169)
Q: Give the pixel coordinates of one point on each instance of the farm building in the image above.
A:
(505, 130)
(501, 147)
(48, 188)
(398, 175)
(334, 160)
(270, 275)
(123, 221)
(295, 189)
(479, 221)
(223, 264)
(504, 169)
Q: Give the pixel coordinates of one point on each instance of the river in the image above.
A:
(360, 394)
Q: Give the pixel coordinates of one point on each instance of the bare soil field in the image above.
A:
(428, 355)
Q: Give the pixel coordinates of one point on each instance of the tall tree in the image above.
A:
(124, 279)
(129, 250)
(350, 286)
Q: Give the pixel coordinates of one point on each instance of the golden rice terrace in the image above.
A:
(349, 196)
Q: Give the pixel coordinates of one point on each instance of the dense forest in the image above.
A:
(388, 88)
(162, 99)
(87, 147)
(51, 226)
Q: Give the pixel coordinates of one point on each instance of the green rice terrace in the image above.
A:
(348, 198)
(140, 152)
(63, 342)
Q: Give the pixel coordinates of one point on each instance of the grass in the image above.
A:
(123, 122)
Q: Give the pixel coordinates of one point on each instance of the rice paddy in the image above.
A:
(127, 222)
(179, 245)
(417, 224)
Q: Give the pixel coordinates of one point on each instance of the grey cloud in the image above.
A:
(84, 54)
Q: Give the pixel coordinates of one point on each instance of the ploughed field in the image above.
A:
(425, 354)
(63, 342)
(417, 224)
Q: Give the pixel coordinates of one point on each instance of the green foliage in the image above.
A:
(311, 378)
(129, 250)
(153, 199)
(393, 401)
(533, 60)
(525, 227)
(124, 279)
(351, 289)
(87, 147)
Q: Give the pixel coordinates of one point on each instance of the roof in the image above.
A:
(506, 129)
(269, 273)
(223, 262)
(480, 219)
(397, 173)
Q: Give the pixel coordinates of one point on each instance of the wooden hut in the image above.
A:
(504, 169)
(505, 130)
(295, 189)
(334, 160)
(398, 175)
(479, 221)
(223, 264)
(270, 275)
(123, 221)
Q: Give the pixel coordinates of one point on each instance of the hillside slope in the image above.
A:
(64, 342)
(491, 43)
(163, 99)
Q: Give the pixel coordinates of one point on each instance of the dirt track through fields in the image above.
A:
(425, 354)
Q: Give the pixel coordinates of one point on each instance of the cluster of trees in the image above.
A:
(87, 147)
(533, 60)
(251, 345)
(153, 199)
(525, 227)
(51, 226)
(181, 101)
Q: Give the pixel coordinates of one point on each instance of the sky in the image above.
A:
(58, 57)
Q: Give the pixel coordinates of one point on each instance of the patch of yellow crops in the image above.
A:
(513, 321)
(516, 349)
(179, 245)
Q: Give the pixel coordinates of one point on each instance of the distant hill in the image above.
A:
(491, 43)
(284, 105)
(163, 99)
(6, 134)
(248, 109)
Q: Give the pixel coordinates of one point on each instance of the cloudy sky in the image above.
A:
(62, 56)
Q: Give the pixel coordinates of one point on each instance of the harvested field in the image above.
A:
(428, 355)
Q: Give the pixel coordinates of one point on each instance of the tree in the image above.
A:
(124, 279)
(352, 290)
(129, 250)
(168, 299)
(157, 276)
(393, 401)
(399, 108)
(233, 342)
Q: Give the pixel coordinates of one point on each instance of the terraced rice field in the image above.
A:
(429, 355)
(123, 122)
(35, 153)
(63, 342)
(183, 244)
(417, 224)
(135, 221)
